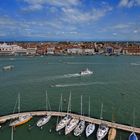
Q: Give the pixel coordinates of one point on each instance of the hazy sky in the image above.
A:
(70, 20)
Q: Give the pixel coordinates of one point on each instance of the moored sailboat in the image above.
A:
(44, 120)
(67, 118)
(22, 118)
(133, 135)
(103, 128)
(81, 126)
(90, 127)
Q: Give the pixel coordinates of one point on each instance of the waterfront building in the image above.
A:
(31, 51)
(75, 51)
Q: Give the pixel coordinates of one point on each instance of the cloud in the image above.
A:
(129, 3)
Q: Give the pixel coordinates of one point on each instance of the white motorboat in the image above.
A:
(102, 131)
(9, 67)
(80, 128)
(43, 120)
(72, 124)
(86, 72)
(90, 129)
(63, 122)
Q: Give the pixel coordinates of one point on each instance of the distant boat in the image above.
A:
(90, 127)
(64, 122)
(112, 134)
(22, 118)
(9, 67)
(81, 126)
(44, 120)
(103, 128)
(133, 136)
(86, 72)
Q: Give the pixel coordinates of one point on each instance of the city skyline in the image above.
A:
(74, 20)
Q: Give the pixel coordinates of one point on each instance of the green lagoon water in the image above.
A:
(115, 83)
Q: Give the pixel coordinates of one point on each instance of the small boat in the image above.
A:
(90, 127)
(21, 120)
(112, 134)
(80, 128)
(9, 67)
(72, 124)
(102, 131)
(43, 120)
(133, 136)
(86, 72)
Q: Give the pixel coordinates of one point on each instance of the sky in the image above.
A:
(70, 20)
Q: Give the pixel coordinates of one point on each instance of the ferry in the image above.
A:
(102, 131)
(86, 72)
(43, 120)
(80, 128)
(112, 134)
(90, 129)
(9, 67)
(133, 136)
(21, 120)
(63, 122)
(72, 124)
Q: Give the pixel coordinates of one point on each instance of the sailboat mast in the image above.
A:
(19, 103)
(101, 115)
(12, 134)
(89, 107)
(133, 117)
(69, 104)
(46, 101)
(81, 106)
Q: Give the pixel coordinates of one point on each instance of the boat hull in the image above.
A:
(80, 128)
(90, 129)
(112, 134)
(133, 136)
(43, 121)
(72, 124)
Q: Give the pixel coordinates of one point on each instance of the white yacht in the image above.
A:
(102, 131)
(90, 129)
(9, 67)
(72, 124)
(63, 122)
(86, 72)
(43, 120)
(79, 128)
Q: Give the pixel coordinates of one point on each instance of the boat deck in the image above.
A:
(87, 119)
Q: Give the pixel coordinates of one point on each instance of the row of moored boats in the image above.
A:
(74, 124)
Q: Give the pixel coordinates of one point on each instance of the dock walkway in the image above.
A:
(87, 119)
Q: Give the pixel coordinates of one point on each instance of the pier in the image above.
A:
(87, 119)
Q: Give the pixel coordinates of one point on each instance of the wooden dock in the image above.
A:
(87, 119)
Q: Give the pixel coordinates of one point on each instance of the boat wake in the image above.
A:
(135, 64)
(79, 84)
(72, 75)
